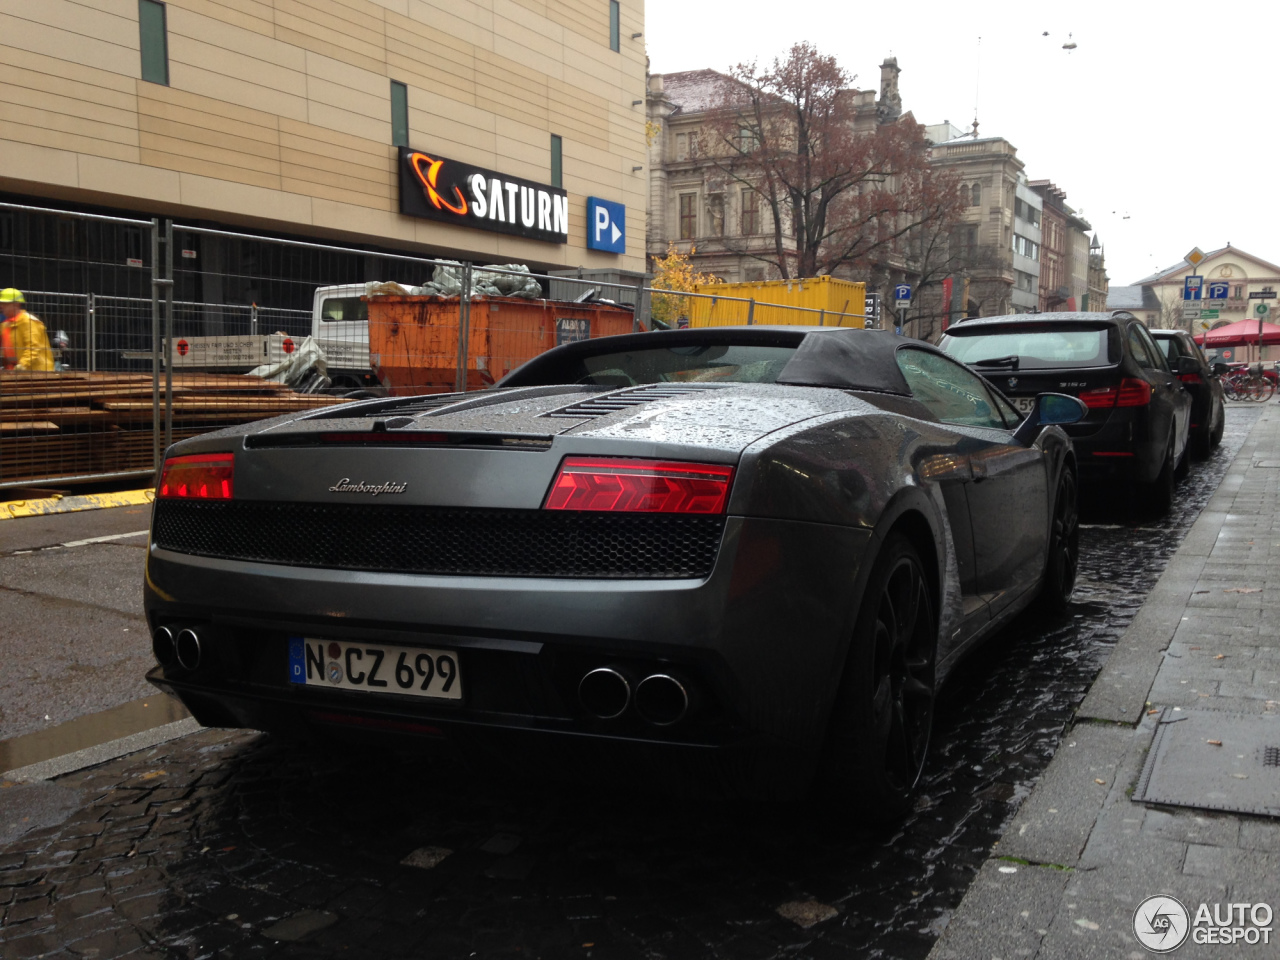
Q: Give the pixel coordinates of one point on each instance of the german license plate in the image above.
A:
(1024, 405)
(375, 668)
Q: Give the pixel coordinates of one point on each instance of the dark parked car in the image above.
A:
(1134, 440)
(1208, 402)
(744, 555)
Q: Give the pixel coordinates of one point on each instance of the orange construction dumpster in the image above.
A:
(413, 341)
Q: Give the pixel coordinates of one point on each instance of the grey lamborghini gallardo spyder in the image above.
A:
(746, 556)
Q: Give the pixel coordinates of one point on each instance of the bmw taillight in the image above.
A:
(1100, 398)
(618, 484)
(1130, 393)
(202, 476)
(1133, 393)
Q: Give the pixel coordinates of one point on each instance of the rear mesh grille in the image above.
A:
(439, 540)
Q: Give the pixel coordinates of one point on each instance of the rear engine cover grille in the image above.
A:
(442, 540)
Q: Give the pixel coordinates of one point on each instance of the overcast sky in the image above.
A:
(1158, 115)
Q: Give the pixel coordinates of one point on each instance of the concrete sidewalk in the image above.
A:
(1080, 856)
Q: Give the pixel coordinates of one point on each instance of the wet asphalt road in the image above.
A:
(234, 844)
(72, 634)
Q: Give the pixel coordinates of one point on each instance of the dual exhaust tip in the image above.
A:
(178, 645)
(660, 699)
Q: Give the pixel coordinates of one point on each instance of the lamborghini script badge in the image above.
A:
(373, 489)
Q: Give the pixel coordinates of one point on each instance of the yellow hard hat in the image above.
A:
(12, 295)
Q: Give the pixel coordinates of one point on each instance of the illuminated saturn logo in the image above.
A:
(429, 177)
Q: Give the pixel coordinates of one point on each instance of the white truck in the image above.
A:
(339, 331)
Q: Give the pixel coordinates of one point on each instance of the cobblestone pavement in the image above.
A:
(235, 844)
(1069, 874)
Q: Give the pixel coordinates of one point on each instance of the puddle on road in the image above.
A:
(90, 731)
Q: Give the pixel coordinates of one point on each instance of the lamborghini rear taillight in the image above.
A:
(203, 476)
(1130, 393)
(618, 484)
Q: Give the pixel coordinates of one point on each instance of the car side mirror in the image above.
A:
(1050, 409)
(1186, 365)
(1220, 369)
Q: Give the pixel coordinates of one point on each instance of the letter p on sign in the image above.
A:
(606, 225)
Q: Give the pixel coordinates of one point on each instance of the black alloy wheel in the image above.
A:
(1064, 547)
(882, 722)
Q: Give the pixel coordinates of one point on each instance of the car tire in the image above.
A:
(1215, 438)
(1184, 463)
(880, 728)
(1159, 493)
(1064, 547)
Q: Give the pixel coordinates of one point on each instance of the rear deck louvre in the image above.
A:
(397, 406)
(632, 397)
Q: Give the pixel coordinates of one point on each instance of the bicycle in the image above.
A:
(1248, 386)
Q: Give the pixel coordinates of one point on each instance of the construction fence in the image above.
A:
(161, 331)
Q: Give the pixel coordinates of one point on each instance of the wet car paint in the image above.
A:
(210, 842)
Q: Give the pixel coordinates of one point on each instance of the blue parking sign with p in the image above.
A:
(1219, 290)
(902, 292)
(606, 225)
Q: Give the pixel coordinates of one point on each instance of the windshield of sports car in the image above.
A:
(1033, 347)
(686, 363)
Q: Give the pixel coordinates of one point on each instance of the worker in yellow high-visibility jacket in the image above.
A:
(23, 339)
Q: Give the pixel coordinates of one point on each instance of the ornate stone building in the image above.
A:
(1099, 283)
(1227, 269)
(997, 246)
(1064, 261)
(692, 204)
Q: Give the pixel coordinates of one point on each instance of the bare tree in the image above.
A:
(834, 197)
(1170, 315)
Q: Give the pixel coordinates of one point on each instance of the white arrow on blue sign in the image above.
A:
(902, 291)
(606, 225)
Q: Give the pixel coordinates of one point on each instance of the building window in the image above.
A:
(682, 146)
(557, 162)
(748, 142)
(750, 212)
(615, 26)
(688, 216)
(1239, 292)
(977, 195)
(155, 41)
(399, 114)
(715, 207)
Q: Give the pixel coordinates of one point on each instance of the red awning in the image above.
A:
(1238, 334)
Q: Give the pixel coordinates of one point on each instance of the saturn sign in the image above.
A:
(437, 188)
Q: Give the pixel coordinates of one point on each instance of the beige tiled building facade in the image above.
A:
(284, 115)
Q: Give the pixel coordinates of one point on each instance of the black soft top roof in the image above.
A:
(841, 357)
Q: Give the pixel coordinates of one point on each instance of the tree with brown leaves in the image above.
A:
(835, 196)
